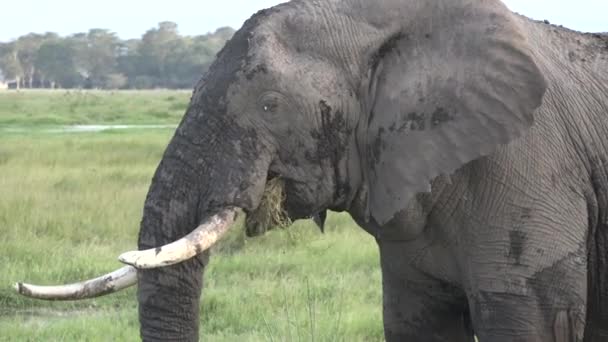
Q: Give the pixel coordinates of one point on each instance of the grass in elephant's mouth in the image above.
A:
(271, 212)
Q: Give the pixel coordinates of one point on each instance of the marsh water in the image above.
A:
(80, 128)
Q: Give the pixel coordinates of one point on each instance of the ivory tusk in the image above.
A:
(201, 239)
(112, 282)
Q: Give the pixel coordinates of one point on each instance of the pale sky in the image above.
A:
(131, 18)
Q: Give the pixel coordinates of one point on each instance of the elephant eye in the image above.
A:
(270, 101)
(270, 105)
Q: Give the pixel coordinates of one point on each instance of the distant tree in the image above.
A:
(27, 51)
(156, 46)
(189, 61)
(145, 82)
(55, 63)
(9, 62)
(115, 81)
(127, 60)
(95, 56)
(99, 59)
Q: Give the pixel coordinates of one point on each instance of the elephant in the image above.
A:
(471, 142)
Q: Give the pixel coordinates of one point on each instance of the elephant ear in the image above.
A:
(444, 89)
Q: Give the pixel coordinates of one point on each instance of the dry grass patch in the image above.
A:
(271, 212)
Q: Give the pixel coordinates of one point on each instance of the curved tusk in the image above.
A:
(112, 282)
(201, 239)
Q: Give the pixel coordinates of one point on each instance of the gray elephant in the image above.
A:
(471, 142)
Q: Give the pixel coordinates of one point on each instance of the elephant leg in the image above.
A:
(418, 307)
(502, 317)
(521, 303)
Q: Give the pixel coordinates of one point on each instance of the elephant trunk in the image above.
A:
(201, 179)
(169, 297)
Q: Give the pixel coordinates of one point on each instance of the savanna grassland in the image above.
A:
(70, 203)
(43, 108)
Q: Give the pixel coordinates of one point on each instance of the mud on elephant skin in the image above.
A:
(468, 140)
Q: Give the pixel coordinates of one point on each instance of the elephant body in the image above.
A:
(469, 141)
(514, 243)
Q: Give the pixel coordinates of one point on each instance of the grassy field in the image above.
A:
(70, 203)
(35, 108)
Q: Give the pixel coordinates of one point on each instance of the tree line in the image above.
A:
(161, 58)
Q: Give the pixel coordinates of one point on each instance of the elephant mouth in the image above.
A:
(282, 203)
(271, 213)
(280, 206)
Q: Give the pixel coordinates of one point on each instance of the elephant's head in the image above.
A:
(354, 105)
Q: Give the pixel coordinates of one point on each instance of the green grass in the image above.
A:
(69, 107)
(71, 203)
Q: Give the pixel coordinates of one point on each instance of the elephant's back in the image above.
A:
(572, 122)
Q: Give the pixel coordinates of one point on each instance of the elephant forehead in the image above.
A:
(239, 55)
